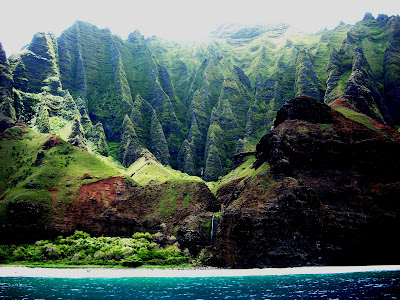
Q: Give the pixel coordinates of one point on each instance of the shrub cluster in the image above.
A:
(81, 249)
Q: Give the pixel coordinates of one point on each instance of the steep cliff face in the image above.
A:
(39, 95)
(117, 207)
(130, 149)
(323, 192)
(260, 116)
(391, 66)
(356, 71)
(7, 110)
(91, 67)
(363, 92)
(306, 82)
(98, 137)
(36, 70)
(231, 86)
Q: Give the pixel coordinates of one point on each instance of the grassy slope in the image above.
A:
(62, 169)
(47, 189)
(64, 165)
(145, 170)
(366, 121)
(245, 171)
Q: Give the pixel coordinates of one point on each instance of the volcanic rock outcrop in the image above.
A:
(325, 191)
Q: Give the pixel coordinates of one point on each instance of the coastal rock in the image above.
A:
(323, 193)
(195, 233)
(304, 108)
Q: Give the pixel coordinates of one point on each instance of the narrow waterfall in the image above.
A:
(212, 227)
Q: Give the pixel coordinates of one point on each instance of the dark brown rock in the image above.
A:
(53, 141)
(328, 195)
(304, 108)
(194, 234)
(39, 159)
(240, 158)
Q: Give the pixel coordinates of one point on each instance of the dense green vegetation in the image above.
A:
(81, 249)
(114, 135)
(194, 106)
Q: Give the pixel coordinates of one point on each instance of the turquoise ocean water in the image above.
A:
(366, 285)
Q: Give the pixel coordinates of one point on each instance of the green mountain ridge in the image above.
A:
(195, 106)
(327, 175)
(264, 147)
(49, 187)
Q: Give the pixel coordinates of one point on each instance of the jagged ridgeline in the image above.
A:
(194, 106)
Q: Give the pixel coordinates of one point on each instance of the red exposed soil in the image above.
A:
(94, 200)
(115, 207)
(390, 132)
(21, 125)
(344, 103)
(53, 192)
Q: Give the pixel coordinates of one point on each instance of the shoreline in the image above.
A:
(20, 271)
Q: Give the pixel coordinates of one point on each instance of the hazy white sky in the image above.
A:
(175, 19)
